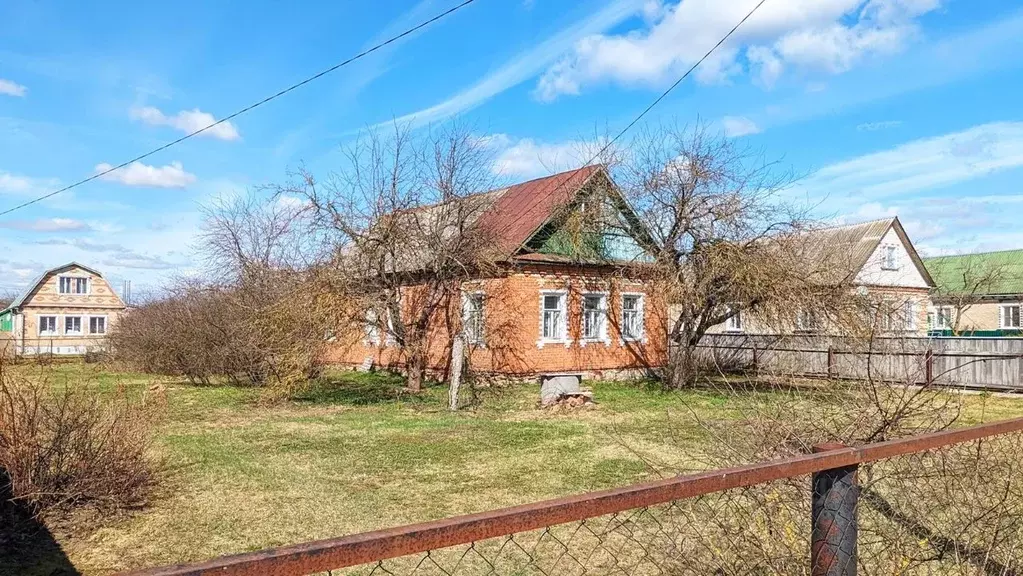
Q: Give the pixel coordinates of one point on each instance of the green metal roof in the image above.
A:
(985, 273)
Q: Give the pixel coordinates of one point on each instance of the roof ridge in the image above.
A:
(850, 225)
(562, 173)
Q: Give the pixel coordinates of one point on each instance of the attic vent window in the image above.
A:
(889, 258)
(73, 285)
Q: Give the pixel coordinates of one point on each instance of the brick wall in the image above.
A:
(512, 343)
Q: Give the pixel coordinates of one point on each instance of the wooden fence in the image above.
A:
(986, 363)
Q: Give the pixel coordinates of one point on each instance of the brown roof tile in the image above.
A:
(523, 208)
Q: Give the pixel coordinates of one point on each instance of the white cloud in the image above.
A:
(527, 158)
(825, 36)
(15, 184)
(46, 225)
(186, 121)
(736, 126)
(288, 202)
(875, 126)
(525, 65)
(11, 88)
(138, 174)
(923, 164)
(25, 185)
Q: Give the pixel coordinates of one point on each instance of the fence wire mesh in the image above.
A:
(954, 510)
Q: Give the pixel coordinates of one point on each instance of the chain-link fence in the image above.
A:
(942, 503)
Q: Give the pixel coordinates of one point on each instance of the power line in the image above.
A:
(316, 76)
(652, 104)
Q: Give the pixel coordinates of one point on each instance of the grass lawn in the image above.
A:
(355, 454)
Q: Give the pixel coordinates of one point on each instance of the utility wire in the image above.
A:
(652, 104)
(362, 54)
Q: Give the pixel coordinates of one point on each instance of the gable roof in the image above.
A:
(850, 246)
(520, 210)
(20, 300)
(952, 273)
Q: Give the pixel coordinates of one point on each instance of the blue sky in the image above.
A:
(907, 107)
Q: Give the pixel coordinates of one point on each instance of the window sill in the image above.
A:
(624, 341)
(585, 341)
(544, 342)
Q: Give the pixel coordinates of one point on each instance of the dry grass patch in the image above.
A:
(353, 454)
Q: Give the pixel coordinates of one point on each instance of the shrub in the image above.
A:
(65, 445)
(255, 333)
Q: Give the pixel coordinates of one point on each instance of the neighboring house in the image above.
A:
(546, 309)
(977, 294)
(879, 261)
(67, 310)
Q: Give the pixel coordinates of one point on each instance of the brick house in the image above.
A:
(545, 309)
(66, 310)
(985, 291)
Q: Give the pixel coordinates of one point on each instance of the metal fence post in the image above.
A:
(833, 509)
(832, 369)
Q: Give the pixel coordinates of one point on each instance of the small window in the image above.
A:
(97, 325)
(734, 322)
(72, 325)
(943, 318)
(47, 325)
(908, 316)
(472, 318)
(594, 316)
(890, 257)
(632, 317)
(898, 317)
(1010, 316)
(553, 320)
(807, 321)
(372, 327)
(73, 285)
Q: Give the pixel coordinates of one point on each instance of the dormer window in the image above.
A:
(73, 285)
(889, 257)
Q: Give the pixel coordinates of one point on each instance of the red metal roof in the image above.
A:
(523, 208)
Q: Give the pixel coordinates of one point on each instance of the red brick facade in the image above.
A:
(512, 343)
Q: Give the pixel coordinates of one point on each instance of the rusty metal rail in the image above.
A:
(379, 545)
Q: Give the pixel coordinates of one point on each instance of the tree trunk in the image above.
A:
(416, 369)
(457, 361)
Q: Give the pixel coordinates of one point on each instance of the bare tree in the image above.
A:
(720, 239)
(400, 222)
(258, 314)
(6, 298)
(973, 277)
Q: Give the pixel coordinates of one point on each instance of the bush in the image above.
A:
(67, 445)
(254, 333)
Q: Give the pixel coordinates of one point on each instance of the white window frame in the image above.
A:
(72, 281)
(39, 325)
(371, 328)
(898, 316)
(640, 318)
(81, 328)
(943, 318)
(1002, 308)
(105, 326)
(734, 322)
(480, 338)
(890, 257)
(807, 321)
(389, 339)
(601, 336)
(908, 313)
(562, 323)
